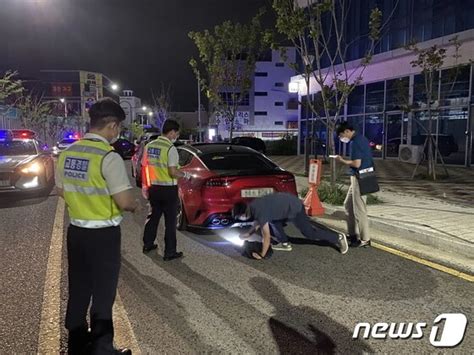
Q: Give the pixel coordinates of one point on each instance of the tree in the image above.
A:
(317, 31)
(10, 86)
(226, 66)
(34, 113)
(430, 61)
(161, 104)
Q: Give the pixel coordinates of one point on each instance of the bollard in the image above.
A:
(311, 202)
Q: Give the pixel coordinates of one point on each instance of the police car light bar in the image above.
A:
(5, 134)
(23, 133)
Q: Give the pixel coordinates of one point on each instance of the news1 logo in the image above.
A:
(447, 336)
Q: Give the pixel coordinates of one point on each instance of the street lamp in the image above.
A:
(114, 87)
(63, 101)
(144, 108)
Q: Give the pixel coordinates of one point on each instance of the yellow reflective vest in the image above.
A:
(157, 162)
(88, 199)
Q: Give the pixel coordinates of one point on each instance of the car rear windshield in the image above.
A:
(238, 162)
(12, 148)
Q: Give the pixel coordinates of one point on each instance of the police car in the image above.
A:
(65, 143)
(25, 164)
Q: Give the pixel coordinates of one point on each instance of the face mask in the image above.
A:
(115, 138)
(173, 140)
(344, 140)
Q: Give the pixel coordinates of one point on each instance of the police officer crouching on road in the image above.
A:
(160, 172)
(93, 181)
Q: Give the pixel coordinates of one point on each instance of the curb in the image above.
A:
(402, 234)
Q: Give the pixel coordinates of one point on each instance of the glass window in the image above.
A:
(455, 86)
(374, 133)
(279, 64)
(397, 94)
(260, 113)
(355, 103)
(278, 123)
(451, 139)
(419, 90)
(185, 157)
(279, 85)
(261, 93)
(304, 109)
(223, 161)
(261, 74)
(375, 97)
(357, 122)
(13, 148)
(279, 103)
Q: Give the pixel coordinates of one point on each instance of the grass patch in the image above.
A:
(336, 195)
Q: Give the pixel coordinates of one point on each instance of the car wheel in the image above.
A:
(181, 220)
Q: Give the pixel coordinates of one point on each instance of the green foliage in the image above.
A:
(136, 130)
(227, 58)
(332, 194)
(10, 86)
(34, 112)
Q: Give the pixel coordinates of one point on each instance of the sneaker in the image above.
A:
(362, 244)
(343, 245)
(283, 246)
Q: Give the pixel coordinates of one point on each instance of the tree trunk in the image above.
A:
(231, 133)
(332, 151)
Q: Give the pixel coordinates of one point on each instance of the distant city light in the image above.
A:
(62, 99)
(150, 113)
(114, 87)
(144, 108)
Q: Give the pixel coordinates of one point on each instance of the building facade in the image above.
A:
(132, 106)
(378, 106)
(270, 111)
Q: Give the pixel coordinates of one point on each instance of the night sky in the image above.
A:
(138, 43)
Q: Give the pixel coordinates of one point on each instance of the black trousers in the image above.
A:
(93, 270)
(163, 200)
(306, 227)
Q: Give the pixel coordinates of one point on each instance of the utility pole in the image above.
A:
(199, 111)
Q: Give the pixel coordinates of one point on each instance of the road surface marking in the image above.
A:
(430, 264)
(50, 330)
(124, 335)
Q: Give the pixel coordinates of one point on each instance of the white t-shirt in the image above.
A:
(113, 170)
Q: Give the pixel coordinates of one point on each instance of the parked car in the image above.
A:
(251, 142)
(223, 175)
(124, 147)
(64, 143)
(26, 166)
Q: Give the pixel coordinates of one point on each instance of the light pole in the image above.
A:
(199, 111)
(63, 101)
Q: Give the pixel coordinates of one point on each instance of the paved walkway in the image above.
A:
(395, 176)
(416, 209)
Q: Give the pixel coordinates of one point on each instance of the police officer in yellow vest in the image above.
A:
(160, 169)
(93, 181)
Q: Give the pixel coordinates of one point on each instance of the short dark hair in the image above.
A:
(170, 125)
(239, 209)
(341, 127)
(105, 111)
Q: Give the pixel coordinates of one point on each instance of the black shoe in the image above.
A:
(352, 239)
(79, 341)
(174, 256)
(103, 339)
(147, 249)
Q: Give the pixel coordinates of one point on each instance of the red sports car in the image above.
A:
(224, 174)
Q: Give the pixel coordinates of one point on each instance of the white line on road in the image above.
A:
(50, 330)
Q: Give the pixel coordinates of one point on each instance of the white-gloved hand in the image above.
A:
(187, 175)
(145, 193)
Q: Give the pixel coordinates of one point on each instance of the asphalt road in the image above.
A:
(216, 301)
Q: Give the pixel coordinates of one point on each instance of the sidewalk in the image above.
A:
(417, 223)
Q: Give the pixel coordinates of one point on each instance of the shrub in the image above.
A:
(285, 146)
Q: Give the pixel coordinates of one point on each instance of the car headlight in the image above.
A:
(33, 168)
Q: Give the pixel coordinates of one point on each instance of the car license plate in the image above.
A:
(253, 193)
(4, 183)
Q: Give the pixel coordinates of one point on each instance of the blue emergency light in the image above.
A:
(5, 134)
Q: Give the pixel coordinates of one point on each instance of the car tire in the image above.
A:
(181, 220)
